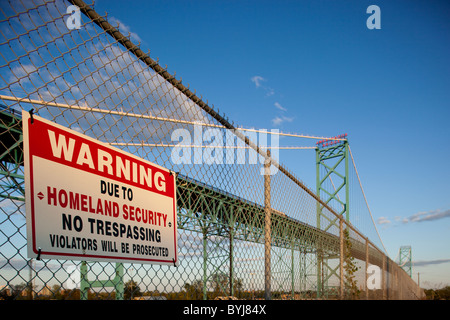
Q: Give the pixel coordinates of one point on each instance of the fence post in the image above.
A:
(267, 229)
(385, 280)
(231, 262)
(292, 270)
(118, 282)
(367, 267)
(205, 260)
(84, 285)
(341, 256)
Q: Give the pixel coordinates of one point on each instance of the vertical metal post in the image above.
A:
(30, 286)
(347, 184)
(84, 285)
(389, 274)
(303, 271)
(267, 229)
(318, 186)
(318, 214)
(341, 256)
(419, 295)
(367, 267)
(231, 261)
(205, 258)
(118, 282)
(292, 271)
(300, 271)
(384, 275)
(397, 282)
(392, 294)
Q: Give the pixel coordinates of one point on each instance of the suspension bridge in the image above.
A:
(239, 231)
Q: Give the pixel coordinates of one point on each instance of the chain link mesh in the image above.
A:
(99, 84)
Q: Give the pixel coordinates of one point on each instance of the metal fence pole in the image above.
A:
(385, 275)
(205, 262)
(231, 262)
(367, 267)
(267, 229)
(341, 256)
(292, 270)
(84, 285)
(318, 215)
(118, 282)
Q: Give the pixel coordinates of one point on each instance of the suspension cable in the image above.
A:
(365, 199)
(150, 117)
(132, 144)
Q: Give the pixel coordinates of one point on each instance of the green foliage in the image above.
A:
(131, 290)
(438, 294)
(351, 288)
(195, 290)
(218, 285)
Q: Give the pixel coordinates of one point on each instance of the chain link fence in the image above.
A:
(69, 65)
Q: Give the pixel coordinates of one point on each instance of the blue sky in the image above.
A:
(313, 67)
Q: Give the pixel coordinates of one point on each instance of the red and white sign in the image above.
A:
(86, 200)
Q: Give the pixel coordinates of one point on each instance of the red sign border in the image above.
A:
(29, 197)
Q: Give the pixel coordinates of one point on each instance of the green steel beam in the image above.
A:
(11, 156)
(405, 259)
(116, 282)
(324, 159)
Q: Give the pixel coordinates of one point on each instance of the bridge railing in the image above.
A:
(72, 66)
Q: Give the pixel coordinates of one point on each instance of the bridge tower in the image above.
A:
(332, 163)
(12, 183)
(405, 259)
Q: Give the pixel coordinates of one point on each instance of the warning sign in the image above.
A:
(86, 200)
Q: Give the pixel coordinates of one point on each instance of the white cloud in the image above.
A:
(279, 106)
(383, 220)
(124, 29)
(257, 80)
(279, 120)
(418, 217)
(269, 92)
(427, 216)
(422, 263)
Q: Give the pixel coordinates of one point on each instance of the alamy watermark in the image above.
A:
(74, 20)
(374, 277)
(218, 146)
(374, 20)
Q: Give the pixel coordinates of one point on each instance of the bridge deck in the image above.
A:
(216, 206)
(286, 231)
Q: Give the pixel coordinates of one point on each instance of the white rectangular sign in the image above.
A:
(86, 200)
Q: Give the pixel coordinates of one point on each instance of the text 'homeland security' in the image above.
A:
(86, 203)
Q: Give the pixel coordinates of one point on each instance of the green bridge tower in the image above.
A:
(405, 259)
(332, 158)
